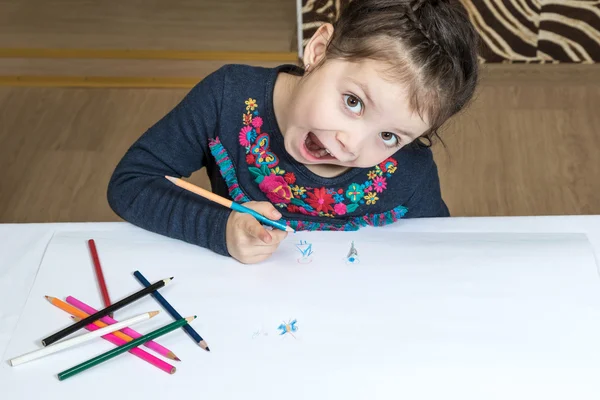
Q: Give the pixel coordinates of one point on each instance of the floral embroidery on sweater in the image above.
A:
(281, 188)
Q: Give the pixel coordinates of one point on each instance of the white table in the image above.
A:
(22, 247)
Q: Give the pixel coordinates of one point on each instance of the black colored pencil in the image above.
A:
(104, 312)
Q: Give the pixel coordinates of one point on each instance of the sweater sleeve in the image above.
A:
(426, 201)
(177, 145)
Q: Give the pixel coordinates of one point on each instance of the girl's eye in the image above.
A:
(353, 103)
(390, 139)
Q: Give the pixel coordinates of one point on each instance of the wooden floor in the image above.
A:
(223, 25)
(529, 145)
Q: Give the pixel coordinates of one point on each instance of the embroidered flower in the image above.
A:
(298, 190)
(338, 197)
(247, 119)
(371, 174)
(257, 122)
(277, 171)
(320, 200)
(290, 177)
(371, 198)
(340, 208)
(379, 184)
(378, 170)
(368, 189)
(354, 192)
(244, 136)
(250, 159)
(389, 165)
(276, 189)
(250, 104)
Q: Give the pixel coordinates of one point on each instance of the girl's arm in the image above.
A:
(426, 201)
(177, 145)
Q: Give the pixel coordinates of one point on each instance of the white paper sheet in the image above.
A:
(427, 315)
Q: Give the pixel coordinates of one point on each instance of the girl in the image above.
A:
(336, 145)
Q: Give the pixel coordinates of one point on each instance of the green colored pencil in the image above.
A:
(122, 349)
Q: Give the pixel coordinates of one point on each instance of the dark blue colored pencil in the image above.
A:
(163, 302)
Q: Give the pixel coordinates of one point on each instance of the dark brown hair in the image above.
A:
(431, 45)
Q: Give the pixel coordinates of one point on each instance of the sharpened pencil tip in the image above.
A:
(153, 313)
(170, 178)
(203, 344)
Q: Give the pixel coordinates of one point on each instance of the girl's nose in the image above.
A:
(348, 143)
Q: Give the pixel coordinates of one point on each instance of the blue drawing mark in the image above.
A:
(352, 257)
(288, 327)
(305, 249)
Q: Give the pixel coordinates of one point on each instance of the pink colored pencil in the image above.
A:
(128, 331)
(157, 362)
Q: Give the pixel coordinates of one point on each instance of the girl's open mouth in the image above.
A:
(316, 149)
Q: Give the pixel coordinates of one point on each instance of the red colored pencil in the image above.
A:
(99, 273)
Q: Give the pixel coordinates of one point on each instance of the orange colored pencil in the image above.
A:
(227, 203)
(77, 313)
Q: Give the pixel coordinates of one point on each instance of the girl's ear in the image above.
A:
(314, 52)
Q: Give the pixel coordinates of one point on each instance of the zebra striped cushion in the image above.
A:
(513, 31)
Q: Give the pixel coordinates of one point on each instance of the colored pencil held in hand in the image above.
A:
(127, 331)
(163, 302)
(34, 355)
(118, 338)
(103, 313)
(119, 350)
(228, 203)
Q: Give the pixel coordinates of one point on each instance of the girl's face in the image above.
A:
(345, 115)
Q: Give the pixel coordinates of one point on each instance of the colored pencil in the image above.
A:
(34, 355)
(81, 314)
(102, 313)
(163, 302)
(116, 337)
(119, 350)
(128, 331)
(99, 273)
(228, 203)
(157, 362)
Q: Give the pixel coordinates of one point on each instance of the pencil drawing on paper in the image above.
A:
(288, 327)
(305, 250)
(259, 332)
(352, 257)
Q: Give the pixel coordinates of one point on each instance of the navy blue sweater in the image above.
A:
(226, 123)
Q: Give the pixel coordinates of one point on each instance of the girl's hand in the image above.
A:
(247, 240)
